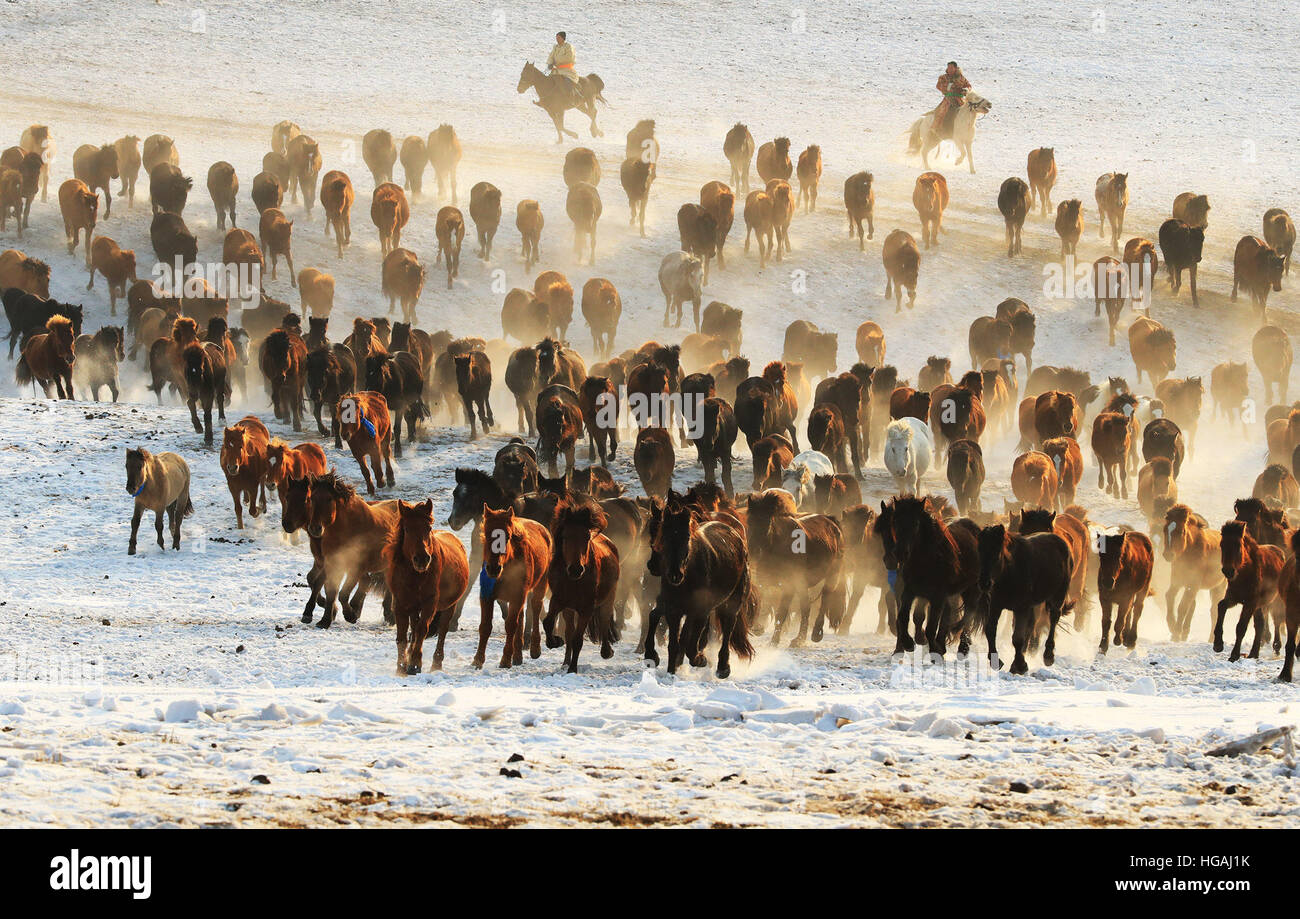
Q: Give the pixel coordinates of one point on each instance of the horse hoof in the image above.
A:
(798, 642)
(1218, 646)
(723, 671)
(606, 652)
(478, 663)
(412, 669)
(323, 624)
(554, 642)
(351, 616)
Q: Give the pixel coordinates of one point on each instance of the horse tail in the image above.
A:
(914, 137)
(746, 611)
(598, 87)
(189, 507)
(23, 372)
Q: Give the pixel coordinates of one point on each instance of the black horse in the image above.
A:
(703, 568)
(398, 377)
(331, 374)
(1018, 573)
(937, 562)
(206, 381)
(29, 313)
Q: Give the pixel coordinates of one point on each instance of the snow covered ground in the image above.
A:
(181, 687)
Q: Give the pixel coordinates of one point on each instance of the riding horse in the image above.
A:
(554, 96)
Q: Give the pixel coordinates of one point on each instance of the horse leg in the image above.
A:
(646, 643)
(534, 622)
(207, 420)
(331, 595)
(485, 605)
(553, 640)
(402, 620)
(1022, 624)
(991, 617)
(675, 654)
(158, 516)
(1221, 612)
(905, 643)
(1248, 613)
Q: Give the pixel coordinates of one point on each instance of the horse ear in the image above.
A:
(428, 505)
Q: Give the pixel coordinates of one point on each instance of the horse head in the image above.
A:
(527, 77)
(416, 539)
(978, 103)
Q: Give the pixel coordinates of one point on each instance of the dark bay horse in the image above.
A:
(555, 97)
(583, 577)
(703, 568)
(937, 562)
(1018, 573)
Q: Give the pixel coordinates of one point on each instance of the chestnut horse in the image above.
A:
(243, 460)
(352, 534)
(1192, 550)
(583, 577)
(1254, 576)
(365, 423)
(427, 575)
(284, 462)
(48, 358)
(1123, 581)
(516, 552)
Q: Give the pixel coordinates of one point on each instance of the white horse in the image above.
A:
(909, 451)
(798, 478)
(922, 141)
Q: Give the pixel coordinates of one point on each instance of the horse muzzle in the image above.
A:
(675, 578)
(315, 531)
(575, 572)
(1229, 573)
(421, 563)
(232, 469)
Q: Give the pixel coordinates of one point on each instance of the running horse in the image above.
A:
(555, 97)
(959, 128)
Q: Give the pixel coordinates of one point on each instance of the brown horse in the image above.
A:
(1123, 581)
(283, 362)
(902, 262)
(930, 198)
(336, 196)
(1034, 480)
(284, 462)
(444, 156)
(352, 534)
(1254, 574)
(703, 567)
(48, 358)
(243, 460)
(583, 577)
(1192, 550)
(276, 234)
(207, 381)
(389, 211)
(937, 562)
(449, 229)
(516, 553)
(1075, 534)
(1111, 439)
(1111, 193)
(365, 423)
(1041, 170)
(1289, 590)
(160, 484)
(529, 222)
(653, 458)
(864, 557)
(427, 574)
(797, 560)
(1018, 573)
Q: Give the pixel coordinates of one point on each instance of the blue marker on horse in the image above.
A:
(487, 585)
(365, 422)
(892, 575)
(136, 493)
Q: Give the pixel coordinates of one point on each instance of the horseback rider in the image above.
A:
(561, 61)
(954, 87)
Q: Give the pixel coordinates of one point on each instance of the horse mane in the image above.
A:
(1235, 529)
(335, 484)
(1252, 506)
(775, 372)
(1161, 336)
(578, 510)
(277, 343)
(58, 323)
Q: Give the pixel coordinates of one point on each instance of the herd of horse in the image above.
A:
(571, 556)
